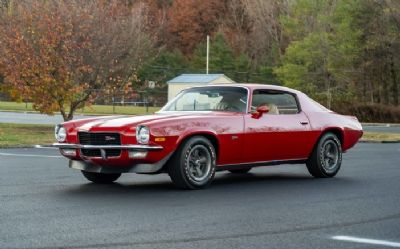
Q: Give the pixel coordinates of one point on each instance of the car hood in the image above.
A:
(130, 122)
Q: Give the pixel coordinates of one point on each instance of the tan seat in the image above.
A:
(273, 109)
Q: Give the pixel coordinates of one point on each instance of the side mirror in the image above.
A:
(260, 111)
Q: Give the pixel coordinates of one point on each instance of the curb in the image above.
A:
(58, 113)
(18, 147)
(381, 124)
(36, 146)
(379, 142)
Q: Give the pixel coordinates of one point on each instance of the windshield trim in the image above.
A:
(191, 88)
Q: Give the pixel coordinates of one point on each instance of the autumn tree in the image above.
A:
(190, 21)
(253, 27)
(61, 54)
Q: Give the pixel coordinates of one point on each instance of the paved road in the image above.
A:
(34, 118)
(43, 204)
(382, 128)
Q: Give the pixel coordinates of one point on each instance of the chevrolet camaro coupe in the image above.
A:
(206, 129)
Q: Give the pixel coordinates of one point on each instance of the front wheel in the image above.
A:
(193, 164)
(101, 178)
(326, 158)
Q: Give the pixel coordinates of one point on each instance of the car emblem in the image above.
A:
(109, 138)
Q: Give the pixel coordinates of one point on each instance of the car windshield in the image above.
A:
(229, 99)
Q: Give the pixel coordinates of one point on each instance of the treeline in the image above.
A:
(339, 51)
(344, 53)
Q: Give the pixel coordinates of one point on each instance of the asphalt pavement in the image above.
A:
(44, 204)
(35, 118)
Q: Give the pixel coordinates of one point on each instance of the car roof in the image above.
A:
(254, 86)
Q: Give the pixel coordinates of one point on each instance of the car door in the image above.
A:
(280, 134)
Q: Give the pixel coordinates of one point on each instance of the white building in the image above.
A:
(184, 81)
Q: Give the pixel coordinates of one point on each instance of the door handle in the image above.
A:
(304, 122)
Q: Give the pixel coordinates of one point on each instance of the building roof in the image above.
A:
(196, 78)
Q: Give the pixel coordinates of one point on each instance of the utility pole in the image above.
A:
(208, 52)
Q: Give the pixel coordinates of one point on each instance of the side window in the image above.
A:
(277, 101)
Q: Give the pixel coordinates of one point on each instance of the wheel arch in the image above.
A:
(212, 137)
(338, 132)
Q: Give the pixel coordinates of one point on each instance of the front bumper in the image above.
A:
(116, 164)
(141, 168)
(140, 147)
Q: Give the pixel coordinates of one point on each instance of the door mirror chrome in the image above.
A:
(260, 111)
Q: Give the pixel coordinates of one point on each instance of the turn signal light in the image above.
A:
(68, 152)
(137, 154)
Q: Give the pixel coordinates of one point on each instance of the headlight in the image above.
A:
(142, 134)
(60, 133)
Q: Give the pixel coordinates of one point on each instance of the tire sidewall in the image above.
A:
(320, 154)
(184, 167)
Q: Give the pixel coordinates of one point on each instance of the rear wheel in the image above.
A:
(326, 159)
(240, 171)
(193, 164)
(101, 178)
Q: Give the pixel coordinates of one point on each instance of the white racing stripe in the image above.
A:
(367, 241)
(27, 155)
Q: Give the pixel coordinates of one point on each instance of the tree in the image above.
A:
(380, 65)
(323, 52)
(190, 21)
(61, 54)
(222, 58)
(253, 27)
(343, 50)
(163, 67)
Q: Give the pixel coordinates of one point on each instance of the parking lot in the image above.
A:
(44, 204)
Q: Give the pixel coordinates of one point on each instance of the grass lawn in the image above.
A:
(25, 134)
(94, 109)
(380, 136)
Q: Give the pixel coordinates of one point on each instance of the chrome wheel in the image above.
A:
(193, 165)
(326, 158)
(330, 156)
(198, 162)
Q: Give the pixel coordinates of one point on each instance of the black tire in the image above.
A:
(326, 158)
(240, 171)
(193, 164)
(100, 178)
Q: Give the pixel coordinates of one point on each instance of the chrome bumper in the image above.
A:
(141, 168)
(126, 147)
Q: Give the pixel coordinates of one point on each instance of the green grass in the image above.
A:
(14, 135)
(380, 136)
(94, 109)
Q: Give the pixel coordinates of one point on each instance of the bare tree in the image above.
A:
(254, 28)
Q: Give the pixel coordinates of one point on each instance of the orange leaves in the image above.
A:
(60, 53)
(191, 20)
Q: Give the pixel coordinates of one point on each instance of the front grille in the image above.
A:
(99, 138)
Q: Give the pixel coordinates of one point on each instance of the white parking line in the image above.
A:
(39, 146)
(27, 155)
(367, 241)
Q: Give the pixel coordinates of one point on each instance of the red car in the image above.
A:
(206, 129)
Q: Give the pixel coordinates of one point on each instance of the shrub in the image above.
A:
(370, 112)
